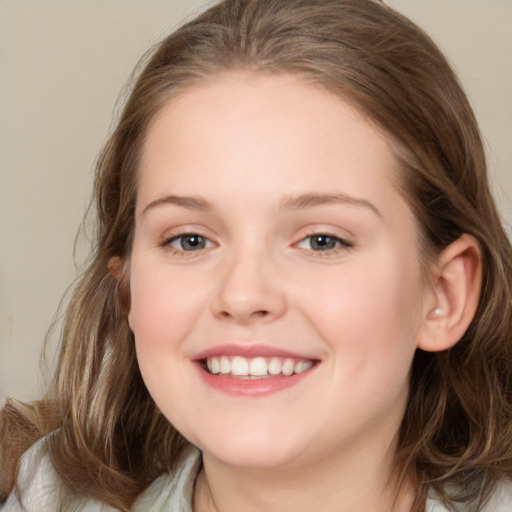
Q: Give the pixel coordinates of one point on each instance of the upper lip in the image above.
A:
(248, 351)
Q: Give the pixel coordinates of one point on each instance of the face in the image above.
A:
(276, 289)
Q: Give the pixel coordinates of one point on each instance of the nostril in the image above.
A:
(260, 313)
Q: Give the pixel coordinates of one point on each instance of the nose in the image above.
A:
(249, 290)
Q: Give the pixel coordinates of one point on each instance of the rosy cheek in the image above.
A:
(148, 304)
(359, 306)
(162, 309)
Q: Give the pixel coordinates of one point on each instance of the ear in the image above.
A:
(118, 268)
(457, 279)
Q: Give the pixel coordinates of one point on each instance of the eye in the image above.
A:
(322, 242)
(188, 242)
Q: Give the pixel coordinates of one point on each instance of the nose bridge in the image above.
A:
(248, 288)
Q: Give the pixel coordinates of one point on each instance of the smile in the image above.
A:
(256, 367)
(253, 370)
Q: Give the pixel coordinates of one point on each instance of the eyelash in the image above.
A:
(167, 243)
(341, 244)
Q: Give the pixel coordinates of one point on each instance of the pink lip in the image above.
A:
(249, 387)
(247, 351)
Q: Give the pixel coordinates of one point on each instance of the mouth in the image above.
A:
(255, 368)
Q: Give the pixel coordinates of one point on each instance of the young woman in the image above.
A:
(300, 297)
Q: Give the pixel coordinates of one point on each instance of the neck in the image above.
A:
(357, 480)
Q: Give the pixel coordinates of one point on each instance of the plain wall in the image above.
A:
(62, 65)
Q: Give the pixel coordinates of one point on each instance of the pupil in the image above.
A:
(323, 242)
(192, 242)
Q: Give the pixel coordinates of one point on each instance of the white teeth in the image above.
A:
(274, 367)
(225, 365)
(302, 366)
(288, 367)
(256, 367)
(213, 365)
(239, 366)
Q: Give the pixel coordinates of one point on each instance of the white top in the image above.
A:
(42, 491)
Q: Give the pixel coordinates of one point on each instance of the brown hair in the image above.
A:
(455, 437)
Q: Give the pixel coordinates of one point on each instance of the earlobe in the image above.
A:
(116, 267)
(456, 292)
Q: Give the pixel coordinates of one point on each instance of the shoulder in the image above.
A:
(173, 493)
(499, 501)
(39, 488)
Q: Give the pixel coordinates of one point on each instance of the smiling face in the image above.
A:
(271, 241)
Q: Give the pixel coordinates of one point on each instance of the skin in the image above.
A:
(245, 144)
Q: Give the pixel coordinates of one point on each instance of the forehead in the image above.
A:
(246, 96)
(232, 129)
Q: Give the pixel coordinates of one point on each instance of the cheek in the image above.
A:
(371, 310)
(163, 306)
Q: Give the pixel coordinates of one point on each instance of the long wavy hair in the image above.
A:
(111, 440)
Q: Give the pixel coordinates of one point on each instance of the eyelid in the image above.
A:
(325, 229)
(177, 233)
(344, 243)
(183, 230)
(185, 235)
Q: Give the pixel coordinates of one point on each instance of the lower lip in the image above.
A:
(251, 387)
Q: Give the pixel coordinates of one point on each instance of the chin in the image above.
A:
(251, 450)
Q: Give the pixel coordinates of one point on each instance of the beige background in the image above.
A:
(62, 65)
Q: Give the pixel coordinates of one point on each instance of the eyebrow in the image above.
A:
(188, 202)
(314, 199)
(299, 202)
